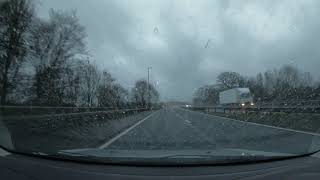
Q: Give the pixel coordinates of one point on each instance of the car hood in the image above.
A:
(168, 157)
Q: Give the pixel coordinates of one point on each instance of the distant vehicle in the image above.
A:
(236, 97)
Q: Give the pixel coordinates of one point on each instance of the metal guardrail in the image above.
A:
(31, 112)
(57, 111)
(286, 109)
(290, 103)
(94, 113)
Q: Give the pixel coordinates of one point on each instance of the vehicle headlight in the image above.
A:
(243, 104)
(252, 104)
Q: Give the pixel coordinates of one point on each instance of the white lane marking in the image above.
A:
(197, 130)
(179, 116)
(187, 121)
(108, 143)
(4, 153)
(252, 123)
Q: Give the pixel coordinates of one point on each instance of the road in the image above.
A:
(179, 129)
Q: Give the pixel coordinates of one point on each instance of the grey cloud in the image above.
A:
(186, 61)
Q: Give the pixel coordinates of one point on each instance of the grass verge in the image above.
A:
(309, 122)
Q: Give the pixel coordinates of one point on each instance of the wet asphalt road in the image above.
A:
(179, 129)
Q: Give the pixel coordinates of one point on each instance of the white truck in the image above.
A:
(236, 97)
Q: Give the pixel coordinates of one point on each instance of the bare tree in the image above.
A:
(90, 79)
(111, 94)
(230, 80)
(207, 95)
(286, 83)
(140, 93)
(15, 19)
(256, 86)
(58, 45)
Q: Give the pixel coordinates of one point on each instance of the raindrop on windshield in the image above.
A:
(156, 30)
(207, 44)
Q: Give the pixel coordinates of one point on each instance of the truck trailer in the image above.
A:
(236, 97)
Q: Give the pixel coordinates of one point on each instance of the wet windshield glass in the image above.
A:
(163, 81)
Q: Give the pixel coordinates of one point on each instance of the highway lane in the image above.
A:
(179, 129)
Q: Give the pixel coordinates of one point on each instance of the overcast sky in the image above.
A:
(189, 42)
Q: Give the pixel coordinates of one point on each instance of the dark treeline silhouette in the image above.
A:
(46, 63)
(286, 83)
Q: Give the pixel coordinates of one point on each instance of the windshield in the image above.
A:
(162, 81)
(245, 95)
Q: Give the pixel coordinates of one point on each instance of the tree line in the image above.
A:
(46, 62)
(287, 83)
